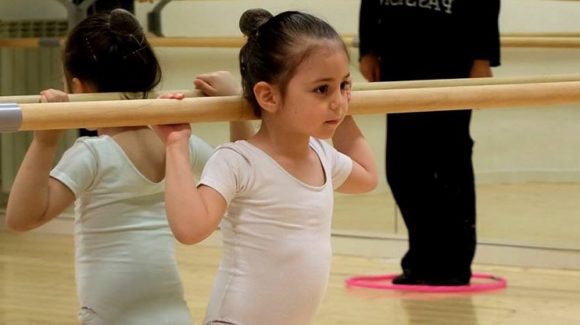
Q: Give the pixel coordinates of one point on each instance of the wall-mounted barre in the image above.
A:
(464, 82)
(43, 116)
(542, 34)
(433, 83)
(540, 42)
(88, 97)
(236, 42)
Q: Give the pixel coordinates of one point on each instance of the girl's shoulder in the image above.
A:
(240, 150)
(240, 147)
(322, 147)
(92, 143)
(102, 148)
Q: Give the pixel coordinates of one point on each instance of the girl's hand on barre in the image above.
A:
(172, 95)
(172, 133)
(53, 96)
(219, 83)
(50, 137)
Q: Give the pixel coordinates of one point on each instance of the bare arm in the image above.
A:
(35, 197)
(193, 213)
(349, 140)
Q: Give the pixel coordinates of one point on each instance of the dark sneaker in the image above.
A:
(447, 282)
(405, 279)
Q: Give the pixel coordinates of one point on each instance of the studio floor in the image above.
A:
(37, 287)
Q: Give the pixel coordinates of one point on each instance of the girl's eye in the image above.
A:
(321, 89)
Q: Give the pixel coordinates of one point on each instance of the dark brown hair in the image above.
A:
(112, 53)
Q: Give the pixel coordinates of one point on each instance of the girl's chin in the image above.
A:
(325, 135)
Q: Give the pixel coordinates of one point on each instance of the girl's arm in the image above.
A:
(349, 140)
(193, 213)
(36, 198)
(222, 83)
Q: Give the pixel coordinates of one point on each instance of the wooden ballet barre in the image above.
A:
(213, 42)
(351, 41)
(88, 97)
(29, 42)
(237, 42)
(71, 115)
(542, 34)
(464, 82)
(209, 42)
(541, 42)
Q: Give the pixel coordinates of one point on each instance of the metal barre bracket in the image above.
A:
(10, 117)
(77, 11)
(154, 18)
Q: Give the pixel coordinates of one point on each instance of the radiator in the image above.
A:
(27, 71)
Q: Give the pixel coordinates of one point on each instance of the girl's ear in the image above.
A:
(78, 86)
(267, 96)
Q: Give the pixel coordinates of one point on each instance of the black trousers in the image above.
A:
(430, 172)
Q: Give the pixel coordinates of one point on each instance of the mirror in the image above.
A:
(526, 160)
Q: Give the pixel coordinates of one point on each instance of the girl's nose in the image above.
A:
(339, 99)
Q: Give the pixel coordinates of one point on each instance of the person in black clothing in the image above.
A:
(429, 154)
(105, 6)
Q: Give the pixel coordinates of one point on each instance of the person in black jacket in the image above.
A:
(429, 154)
(105, 6)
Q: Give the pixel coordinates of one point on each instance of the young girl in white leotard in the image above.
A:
(273, 194)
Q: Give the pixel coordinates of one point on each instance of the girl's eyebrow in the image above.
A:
(330, 79)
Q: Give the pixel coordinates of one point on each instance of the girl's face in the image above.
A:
(317, 96)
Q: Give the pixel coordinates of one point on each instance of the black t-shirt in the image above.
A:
(429, 39)
(100, 6)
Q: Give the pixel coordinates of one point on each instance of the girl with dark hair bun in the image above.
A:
(273, 194)
(126, 271)
(111, 52)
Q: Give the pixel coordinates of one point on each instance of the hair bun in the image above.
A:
(252, 19)
(123, 22)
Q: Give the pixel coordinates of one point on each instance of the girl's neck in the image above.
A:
(282, 144)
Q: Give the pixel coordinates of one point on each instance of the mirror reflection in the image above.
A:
(526, 168)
